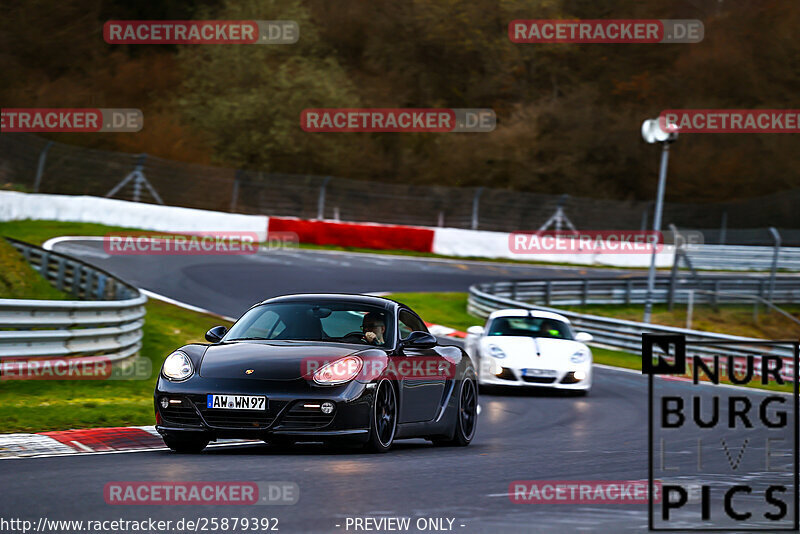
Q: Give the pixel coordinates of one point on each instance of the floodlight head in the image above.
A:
(653, 133)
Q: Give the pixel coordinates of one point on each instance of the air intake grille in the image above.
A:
(300, 418)
(181, 414)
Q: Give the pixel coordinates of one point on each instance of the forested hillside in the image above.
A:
(568, 115)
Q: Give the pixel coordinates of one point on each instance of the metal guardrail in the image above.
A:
(109, 326)
(633, 290)
(744, 258)
(627, 335)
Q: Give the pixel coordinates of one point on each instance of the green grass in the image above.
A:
(37, 232)
(18, 280)
(38, 405)
(448, 309)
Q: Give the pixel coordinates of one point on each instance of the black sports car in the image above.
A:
(318, 367)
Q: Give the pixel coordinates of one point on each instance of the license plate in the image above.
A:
(237, 402)
(539, 372)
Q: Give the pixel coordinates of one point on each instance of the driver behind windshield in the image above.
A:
(374, 327)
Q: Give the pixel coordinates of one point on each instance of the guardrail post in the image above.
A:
(628, 291)
(43, 266)
(775, 255)
(235, 192)
(755, 311)
(585, 296)
(673, 280)
(321, 200)
(548, 292)
(714, 300)
(40, 168)
(77, 273)
(89, 283)
(476, 207)
(101, 287)
(60, 276)
(514, 290)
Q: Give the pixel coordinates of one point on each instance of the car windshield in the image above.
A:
(342, 322)
(530, 327)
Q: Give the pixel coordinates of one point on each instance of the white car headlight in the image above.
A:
(579, 357)
(496, 351)
(177, 366)
(494, 367)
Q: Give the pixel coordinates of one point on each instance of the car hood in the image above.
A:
(277, 360)
(522, 351)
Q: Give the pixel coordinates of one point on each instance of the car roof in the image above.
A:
(528, 313)
(347, 297)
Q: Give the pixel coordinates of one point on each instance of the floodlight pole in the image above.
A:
(651, 275)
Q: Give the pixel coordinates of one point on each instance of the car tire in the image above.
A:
(466, 415)
(185, 445)
(383, 419)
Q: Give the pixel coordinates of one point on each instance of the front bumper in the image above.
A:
(564, 379)
(286, 413)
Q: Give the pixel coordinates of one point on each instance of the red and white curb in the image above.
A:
(86, 441)
(444, 331)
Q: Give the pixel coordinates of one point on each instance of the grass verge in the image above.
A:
(18, 280)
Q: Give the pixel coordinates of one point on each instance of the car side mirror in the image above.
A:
(584, 337)
(215, 334)
(419, 340)
(475, 330)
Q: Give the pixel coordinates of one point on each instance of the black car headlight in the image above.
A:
(177, 366)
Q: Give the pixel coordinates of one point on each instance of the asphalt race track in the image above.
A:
(520, 436)
(229, 285)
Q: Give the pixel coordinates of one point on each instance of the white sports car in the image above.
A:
(530, 348)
